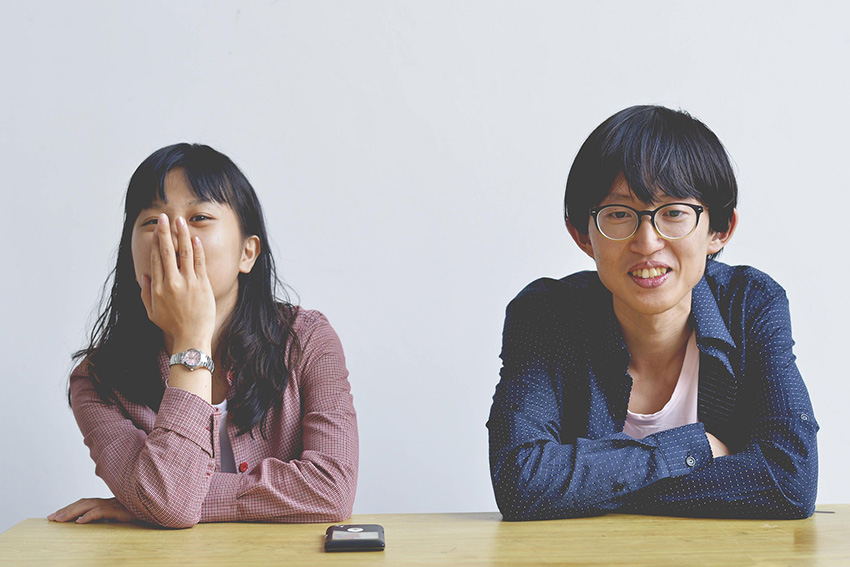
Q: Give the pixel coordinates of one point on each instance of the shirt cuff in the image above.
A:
(684, 449)
(220, 504)
(188, 415)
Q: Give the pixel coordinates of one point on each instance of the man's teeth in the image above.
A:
(650, 272)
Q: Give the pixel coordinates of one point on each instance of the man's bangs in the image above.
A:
(660, 162)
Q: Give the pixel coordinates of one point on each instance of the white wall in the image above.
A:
(411, 158)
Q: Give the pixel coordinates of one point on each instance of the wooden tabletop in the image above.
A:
(447, 539)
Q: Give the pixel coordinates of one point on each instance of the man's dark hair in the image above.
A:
(657, 150)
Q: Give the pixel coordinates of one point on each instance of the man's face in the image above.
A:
(648, 274)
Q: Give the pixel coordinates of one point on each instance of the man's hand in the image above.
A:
(718, 447)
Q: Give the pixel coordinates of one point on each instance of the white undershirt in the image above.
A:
(680, 410)
(228, 462)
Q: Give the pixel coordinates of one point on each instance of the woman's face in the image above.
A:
(228, 253)
(673, 267)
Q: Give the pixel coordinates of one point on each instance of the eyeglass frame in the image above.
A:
(594, 212)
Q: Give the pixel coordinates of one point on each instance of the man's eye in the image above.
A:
(676, 214)
(617, 215)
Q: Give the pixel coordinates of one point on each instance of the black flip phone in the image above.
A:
(355, 537)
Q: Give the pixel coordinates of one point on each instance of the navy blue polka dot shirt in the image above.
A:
(557, 447)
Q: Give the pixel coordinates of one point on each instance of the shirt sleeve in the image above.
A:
(540, 467)
(773, 470)
(160, 477)
(319, 486)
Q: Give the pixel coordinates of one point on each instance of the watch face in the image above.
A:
(192, 357)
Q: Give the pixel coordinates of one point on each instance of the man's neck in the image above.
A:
(656, 341)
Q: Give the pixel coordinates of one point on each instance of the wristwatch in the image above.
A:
(192, 359)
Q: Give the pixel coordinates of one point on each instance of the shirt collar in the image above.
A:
(710, 327)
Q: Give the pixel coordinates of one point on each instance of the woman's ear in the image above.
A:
(250, 252)
(720, 239)
(582, 239)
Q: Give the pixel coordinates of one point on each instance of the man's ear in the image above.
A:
(582, 239)
(720, 239)
(250, 253)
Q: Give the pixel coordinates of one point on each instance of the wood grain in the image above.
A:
(446, 539)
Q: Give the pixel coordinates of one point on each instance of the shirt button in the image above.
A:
(690, 461)
(243, 467)
(804, 417)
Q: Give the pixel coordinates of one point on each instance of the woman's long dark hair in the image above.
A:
(124, 347)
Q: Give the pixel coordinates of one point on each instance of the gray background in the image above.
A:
(411, 158)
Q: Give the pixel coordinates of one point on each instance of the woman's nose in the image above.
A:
(174, 233)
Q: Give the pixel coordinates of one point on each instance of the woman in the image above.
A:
(664, 382)
(201, 397)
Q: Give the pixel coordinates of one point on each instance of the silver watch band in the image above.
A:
(192, 359)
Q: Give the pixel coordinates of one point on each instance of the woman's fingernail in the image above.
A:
(181, 222)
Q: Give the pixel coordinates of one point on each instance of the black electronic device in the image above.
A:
(355, 537)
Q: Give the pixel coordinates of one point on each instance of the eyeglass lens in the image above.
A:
(671, 221)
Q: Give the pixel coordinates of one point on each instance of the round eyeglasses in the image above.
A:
(671, 221)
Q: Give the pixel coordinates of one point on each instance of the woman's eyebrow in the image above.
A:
(159, 205)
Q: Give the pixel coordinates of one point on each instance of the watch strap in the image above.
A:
(192, 359)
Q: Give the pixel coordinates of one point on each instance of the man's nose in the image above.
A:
(646, 239)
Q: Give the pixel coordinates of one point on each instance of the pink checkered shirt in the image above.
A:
(164, 467)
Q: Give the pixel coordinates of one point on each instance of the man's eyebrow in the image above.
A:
(618, 196)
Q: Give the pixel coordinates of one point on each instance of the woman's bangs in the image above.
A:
(209, 184)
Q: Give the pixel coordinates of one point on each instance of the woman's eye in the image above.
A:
(149, 222)
(199, 218)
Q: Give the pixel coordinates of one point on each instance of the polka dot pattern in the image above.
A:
(557, 447)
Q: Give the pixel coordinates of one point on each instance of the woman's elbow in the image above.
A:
(177, 521)
(172, 513)
(335, 500)
(343, 504)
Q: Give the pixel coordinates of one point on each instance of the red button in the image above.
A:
(243, 467)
